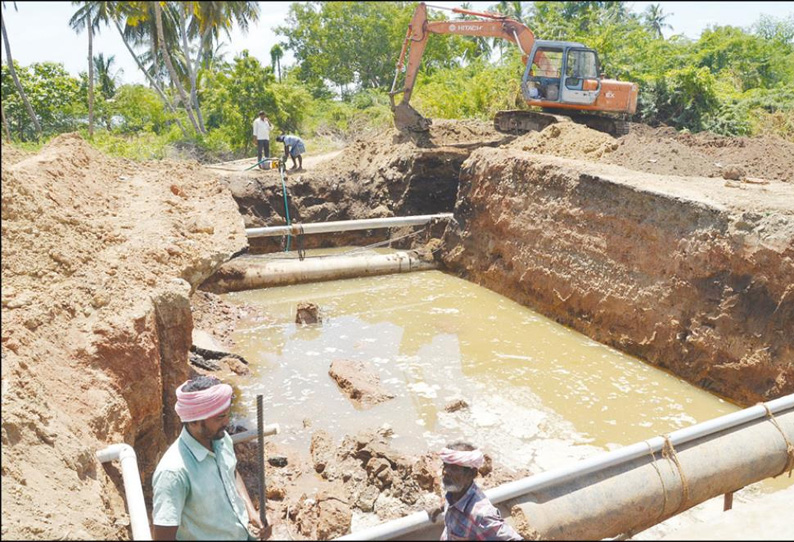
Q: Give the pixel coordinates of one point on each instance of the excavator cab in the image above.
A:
(566, 75)
(561, 72)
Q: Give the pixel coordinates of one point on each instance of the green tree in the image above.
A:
(107, 80)
(276, 54)
(139, 109)
(333, 41)
(12, 72)
(234, 96)
(58, 98)
(133, 22)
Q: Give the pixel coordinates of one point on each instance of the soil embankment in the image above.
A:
(692, 274)
(392, 175)
(99, 258)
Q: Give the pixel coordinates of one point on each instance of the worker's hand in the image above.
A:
(433, 512)
(258, 530)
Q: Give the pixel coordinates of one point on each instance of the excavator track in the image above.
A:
(518, 121)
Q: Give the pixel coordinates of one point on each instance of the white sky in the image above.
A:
(39, 31)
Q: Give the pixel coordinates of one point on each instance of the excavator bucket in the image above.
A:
(408, 118)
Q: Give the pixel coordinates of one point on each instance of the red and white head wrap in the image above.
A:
(473, 459)
(192, 406)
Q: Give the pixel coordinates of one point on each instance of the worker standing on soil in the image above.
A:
(468, 514)
(262, 137)
(294, 147)
(198, 493)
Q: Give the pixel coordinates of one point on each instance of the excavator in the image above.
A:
(563, 78)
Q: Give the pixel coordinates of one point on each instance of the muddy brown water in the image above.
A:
(540, 395)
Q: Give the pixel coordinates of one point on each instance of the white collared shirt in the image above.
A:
(262, 128)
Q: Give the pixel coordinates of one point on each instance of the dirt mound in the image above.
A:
(567, 140)
(98, 258)
(668, 152)
(12, 155)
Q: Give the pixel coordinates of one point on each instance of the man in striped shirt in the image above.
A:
(468, 514)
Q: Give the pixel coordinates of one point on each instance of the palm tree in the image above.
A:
(13, 73)
(106, 80)
(208, 20)
(188, 103)
(136, 17)
(104, 76)
(276, 54)
(655, 19)
(88, 17)
(513, 10)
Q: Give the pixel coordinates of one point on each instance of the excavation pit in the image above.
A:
(538, 395)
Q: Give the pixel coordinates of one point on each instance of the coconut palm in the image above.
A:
(13, 73)
(188, 103)
(133, 22)
(655, 19)
(105, 76)
(276, 54)
(106, 79)
(207, 20)
(513, 10)
(88, 17)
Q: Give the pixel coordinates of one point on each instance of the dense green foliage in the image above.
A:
(732, 81)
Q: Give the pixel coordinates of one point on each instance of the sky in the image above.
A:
(39, 31)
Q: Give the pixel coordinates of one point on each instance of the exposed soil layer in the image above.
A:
(315, 498)
(692, 274)
(101, 259)
(393, 174)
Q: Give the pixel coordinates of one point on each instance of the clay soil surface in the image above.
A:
(101, 259)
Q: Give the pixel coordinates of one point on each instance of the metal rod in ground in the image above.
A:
(261, 462)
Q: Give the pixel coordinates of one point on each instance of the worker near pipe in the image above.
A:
(198, 492)
(294, 148)
(468, 514)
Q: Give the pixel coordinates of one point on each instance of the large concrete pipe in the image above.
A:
(345, 225)
(248, 274)
(635, 487)
(636, 495)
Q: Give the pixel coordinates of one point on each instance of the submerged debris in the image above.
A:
(359, 382)
(308, 313)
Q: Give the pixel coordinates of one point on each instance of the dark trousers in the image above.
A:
(262, 145)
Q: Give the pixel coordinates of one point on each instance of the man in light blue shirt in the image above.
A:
(198, 493)
(294, 148)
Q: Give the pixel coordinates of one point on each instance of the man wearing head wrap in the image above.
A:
(198, 493)
(468, 514)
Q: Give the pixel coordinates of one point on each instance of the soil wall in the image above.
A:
(99, 258)
(695, 274)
